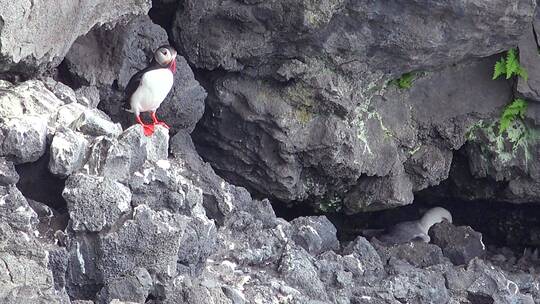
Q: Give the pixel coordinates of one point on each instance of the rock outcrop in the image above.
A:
(35, 36)
(317, 120)
(349, 106)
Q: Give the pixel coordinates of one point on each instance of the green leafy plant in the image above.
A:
(509, 66)
(405, 81)
(511, 112)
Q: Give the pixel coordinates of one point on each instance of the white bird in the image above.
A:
(147, 89)
(416, 230)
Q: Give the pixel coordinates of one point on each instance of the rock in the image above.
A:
(28, 98)
(68, 152)
(417, 254)
(83, 277)
(110, 66)
(198, 243)
(150, 240)
(88, 96)
(95, 203)
(15, 211)
(529, 60)
(370, 260)
(96, 123)
(52, 30)
(294, 167)
(459, 244)
(23, 139)
(315, 234)
(413, 285)
(8, 175)
(24, 273)
(372, 194)
(128, 288)
(483, 282)
(121, 158)
(297, 269)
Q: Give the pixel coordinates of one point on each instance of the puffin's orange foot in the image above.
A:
(161, 123)
(148, 130)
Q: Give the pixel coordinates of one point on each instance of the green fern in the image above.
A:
(509, 66)
(500, 68)
(404, 82)
(513, 111)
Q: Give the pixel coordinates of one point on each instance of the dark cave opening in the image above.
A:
(37, 183)
(502, 224)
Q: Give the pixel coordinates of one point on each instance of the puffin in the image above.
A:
(415, 230)
(147, 89)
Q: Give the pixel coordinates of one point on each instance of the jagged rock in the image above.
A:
(96, 62)
(482, 282)
(413, 285)
(83, 277)
(133, 287)
(14, 209)
(198, 243)
(119, 158)
(24, 274)
(459, 244)
(150, 240)
(370, 260)
(372, 194)
(314, 234)
(68, 152)
(36, 36)
(297, 269)
(218, 195)
(23, 139)
(88, 96)
(95, 203)
(95, 123)
(530, 61)
(418, 254)
(8, 175)
(374, 139)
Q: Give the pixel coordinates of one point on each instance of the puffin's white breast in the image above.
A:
(154, 87)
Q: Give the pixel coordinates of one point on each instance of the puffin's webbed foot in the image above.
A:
(147, 129)
(157, 122)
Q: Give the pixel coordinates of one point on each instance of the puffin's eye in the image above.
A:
(164, 51)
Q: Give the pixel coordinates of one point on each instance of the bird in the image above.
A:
(147, 89)
(415, 230)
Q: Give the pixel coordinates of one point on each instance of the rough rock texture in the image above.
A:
(38, 35)
(107, 57)
(317, 119)
(460, 245)
(300, 108)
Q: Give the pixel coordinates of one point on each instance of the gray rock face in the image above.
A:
(8, 175)
(459, 244)
(95, 61)
(150, 240)
(23, 139)
(49, 29)
(315, 234)
(401, 139)
(95, 203)
(68, 152)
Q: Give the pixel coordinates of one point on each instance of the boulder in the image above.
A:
(68, 152)
(151, 240)
(459, 244)
(95, 203)
(37, 36)
(315, 234)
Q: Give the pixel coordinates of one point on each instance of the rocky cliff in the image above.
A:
(341, 107)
